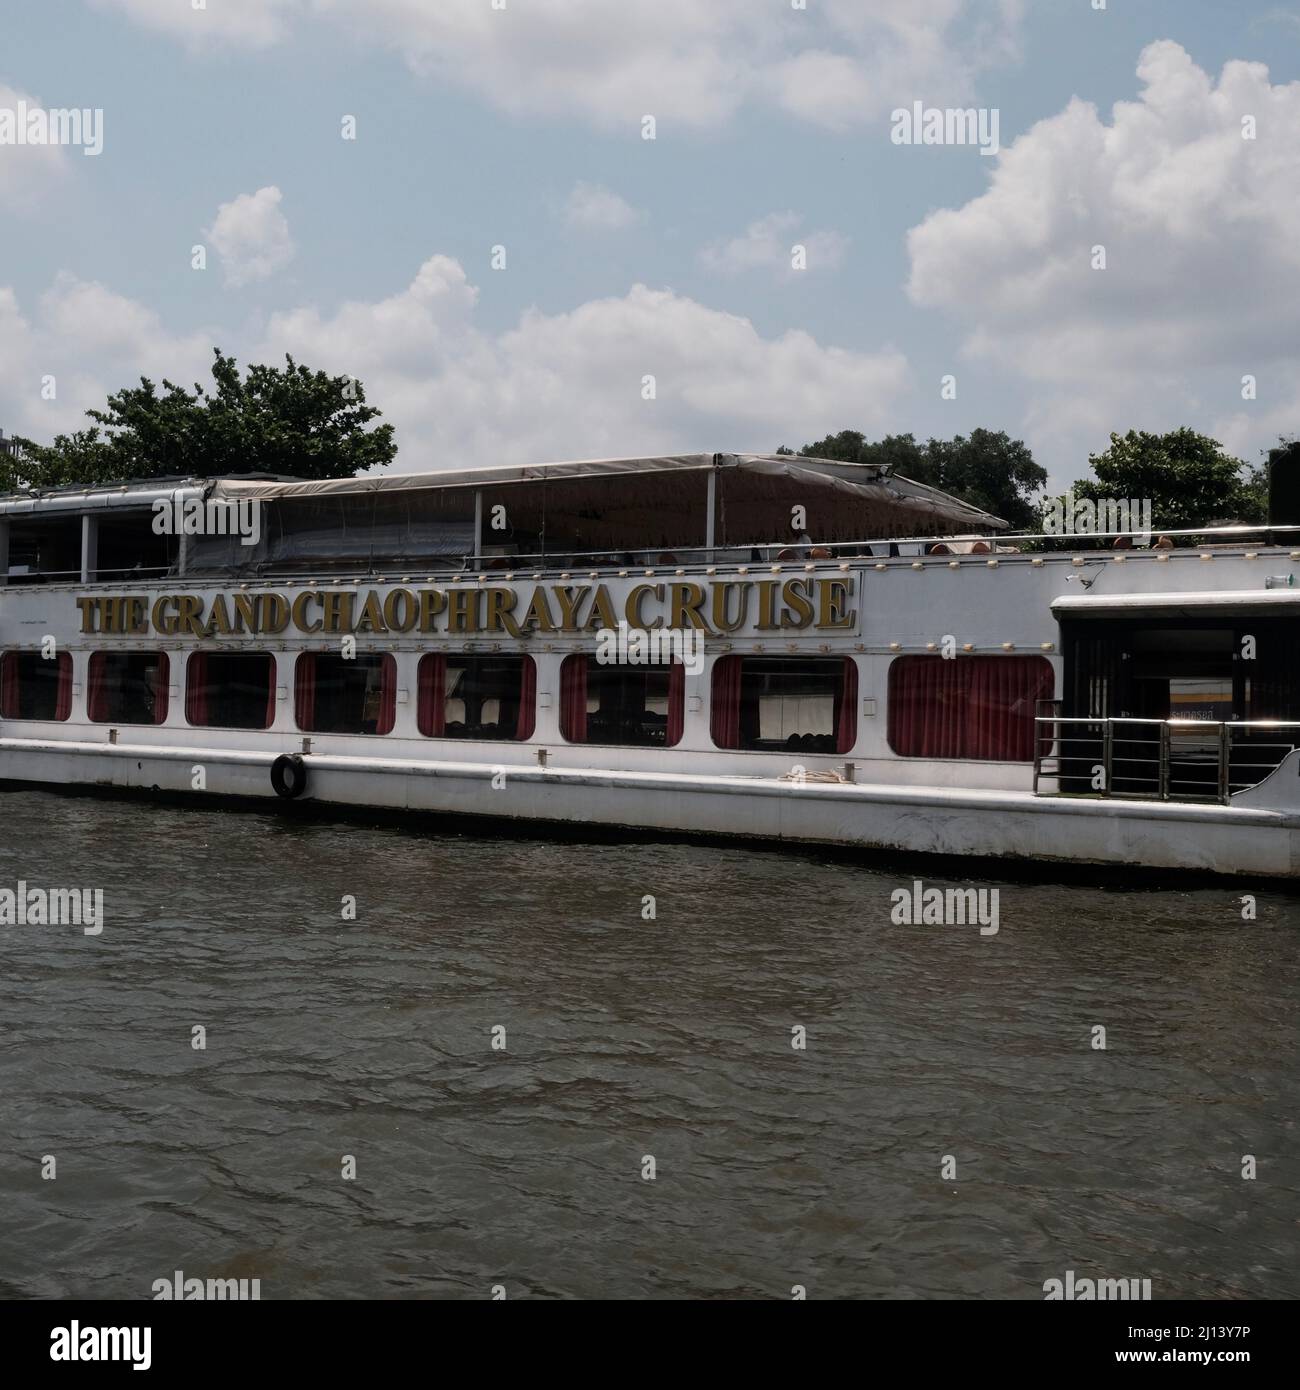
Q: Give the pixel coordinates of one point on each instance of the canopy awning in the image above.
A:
(852, 481)
(1224, 603)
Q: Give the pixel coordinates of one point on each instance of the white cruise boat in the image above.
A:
(777, 647)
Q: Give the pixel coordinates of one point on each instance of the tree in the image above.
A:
(992, 471)
(1188, 478)
(989, 470)
(273, 420)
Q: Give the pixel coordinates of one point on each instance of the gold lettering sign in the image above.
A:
(721, 607)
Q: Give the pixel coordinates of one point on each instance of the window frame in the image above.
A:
(64, 676)
(675, 670)
(234, 728)
(162, 694)
(1046, 673)
(527, 692)
(388, 664)
(847, 701)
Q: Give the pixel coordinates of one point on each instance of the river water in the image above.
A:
(627, 1038)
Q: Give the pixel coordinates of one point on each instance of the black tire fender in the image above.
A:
(289, 775)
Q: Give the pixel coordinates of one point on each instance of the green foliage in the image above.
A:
(286, 419)
(988, 469)
(1188, 478)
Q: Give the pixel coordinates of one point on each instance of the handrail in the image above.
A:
(1186, 760)
(1081, 541)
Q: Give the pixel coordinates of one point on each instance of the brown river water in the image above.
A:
(626, 1039)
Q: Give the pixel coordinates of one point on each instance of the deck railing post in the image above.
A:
(1045, 749)
(89, 548)
(1163, 779)
(1107, 752)
(711, 513)
(1225, 759)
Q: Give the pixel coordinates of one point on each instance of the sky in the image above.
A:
(455, 202)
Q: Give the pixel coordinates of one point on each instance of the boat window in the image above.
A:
(626, 705)
(44, 549)
(35, 687)
(230, 690)
(127, 687)
(480, 697)
(333, 694)
(974, 707)
(799, 705)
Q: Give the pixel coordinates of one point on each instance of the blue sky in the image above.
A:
(478, 127)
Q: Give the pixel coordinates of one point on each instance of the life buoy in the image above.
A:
(289, 775)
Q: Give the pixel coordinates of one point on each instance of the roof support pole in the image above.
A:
(4, 550)
(89, 548)
(711, 512)
(478, 524)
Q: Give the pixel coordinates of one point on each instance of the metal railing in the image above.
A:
(1156, 759)
(890, 546)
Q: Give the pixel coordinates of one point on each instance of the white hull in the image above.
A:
(1255, 836)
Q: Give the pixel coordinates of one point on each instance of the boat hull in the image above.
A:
(1250, 837)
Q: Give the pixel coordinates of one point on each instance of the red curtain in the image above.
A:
(9, 685)
(97, 688)
(979, 707)
(573, 698)
(1000, 714)
(63, 699)
(927, 706)
(304, 691)
(387, 695)
(846, 728)
(724, 715)
(196, 689)
(160, 689)
(430, 712)
(527, 720)
(676, 703)
(270, 691)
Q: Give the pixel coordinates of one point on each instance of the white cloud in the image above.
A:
(570, 385)
(251, 237)
(768, 244)
(554, 386)
(91, 341)
(595, 209)
(245, 23)
(1201, 230)
(27, 172)
(836, 63)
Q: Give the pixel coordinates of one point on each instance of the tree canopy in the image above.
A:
(1188, 477)
(287, 419)
(988, 469)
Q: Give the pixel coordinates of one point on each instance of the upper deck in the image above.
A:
(610, 512)
(770, 549)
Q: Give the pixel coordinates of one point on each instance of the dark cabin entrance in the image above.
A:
(1158, 668)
